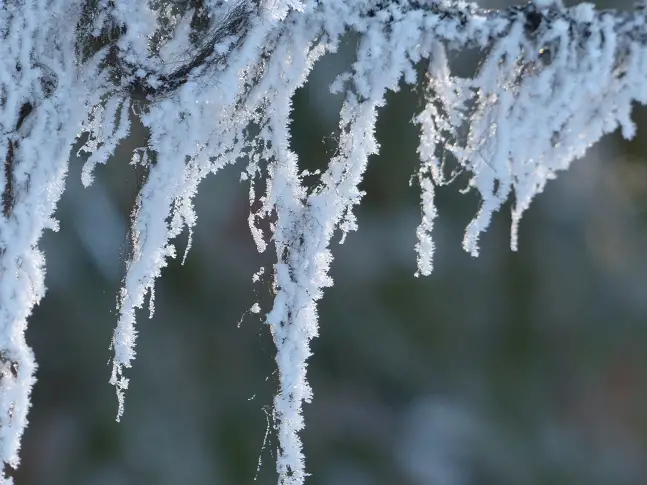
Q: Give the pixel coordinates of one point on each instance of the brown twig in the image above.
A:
(8, 196)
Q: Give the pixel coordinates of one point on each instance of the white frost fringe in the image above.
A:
(552, 82)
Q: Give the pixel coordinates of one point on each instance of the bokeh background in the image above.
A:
(513, 368)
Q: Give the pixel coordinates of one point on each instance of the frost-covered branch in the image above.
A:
(212, 83)
(464, 25)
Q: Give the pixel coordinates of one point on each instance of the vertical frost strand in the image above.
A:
(44, 99)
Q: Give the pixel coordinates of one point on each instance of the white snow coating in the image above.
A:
(552, 81)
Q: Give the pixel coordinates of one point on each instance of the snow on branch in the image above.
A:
(212, 83)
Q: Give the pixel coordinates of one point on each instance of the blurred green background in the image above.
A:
(514, 368)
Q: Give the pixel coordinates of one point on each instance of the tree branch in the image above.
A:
(236, 24)
(464, 25)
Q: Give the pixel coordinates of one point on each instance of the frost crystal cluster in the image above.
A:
(212, 82)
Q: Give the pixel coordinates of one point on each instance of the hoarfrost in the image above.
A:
(213, 85)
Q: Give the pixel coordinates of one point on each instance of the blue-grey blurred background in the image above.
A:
(520, 368)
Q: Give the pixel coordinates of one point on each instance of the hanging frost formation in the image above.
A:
(212, 80)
